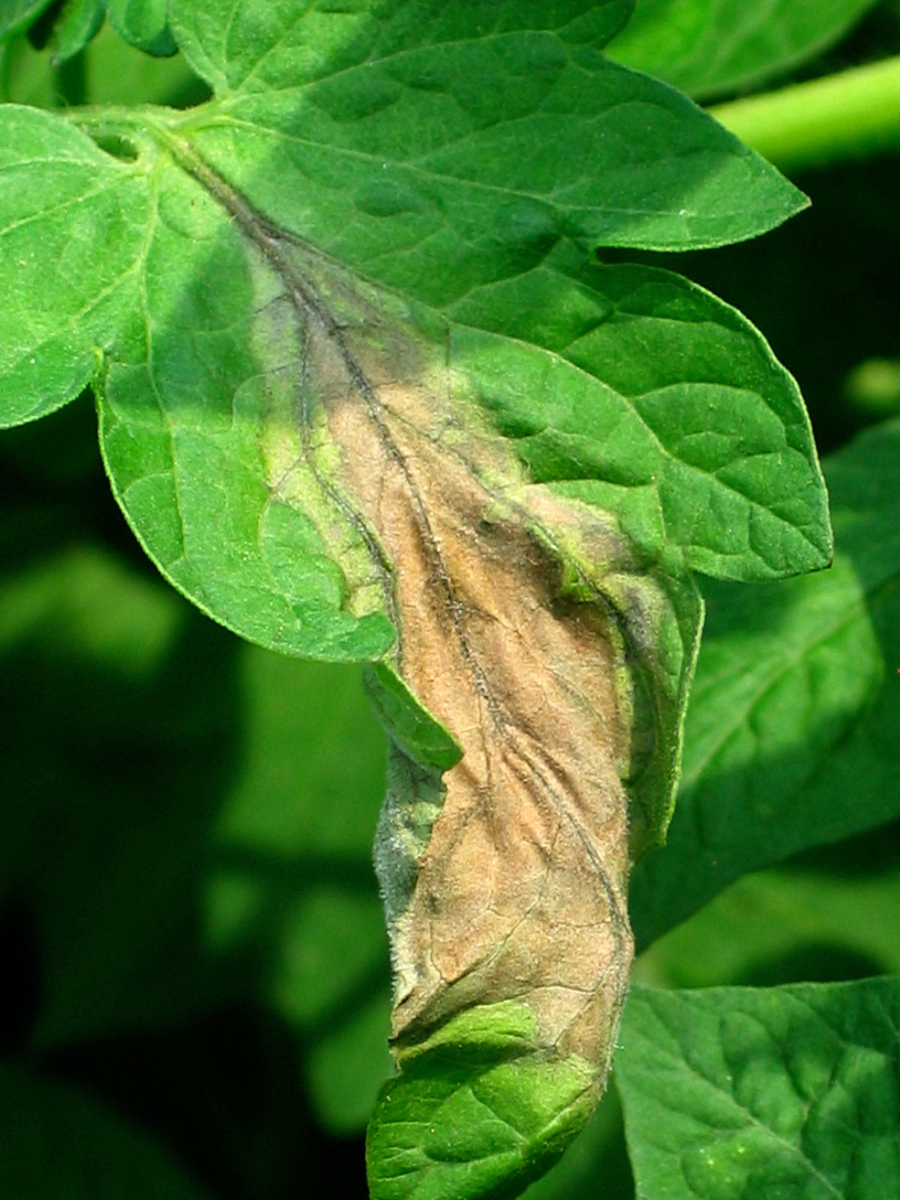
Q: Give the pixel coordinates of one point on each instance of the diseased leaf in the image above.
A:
(789, 1091)
(709, 47)
(369, 403)
(795, 707)
(559, 640)
(651, 460)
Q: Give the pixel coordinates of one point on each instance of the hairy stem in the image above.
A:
(849, 115)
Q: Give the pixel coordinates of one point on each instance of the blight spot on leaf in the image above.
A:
(525, 638)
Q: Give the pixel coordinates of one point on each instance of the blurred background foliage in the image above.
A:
(192, 933)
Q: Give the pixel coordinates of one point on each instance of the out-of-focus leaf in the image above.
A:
(708, 47)
(783, 926)
(292, 911)
(16, 15)
(143, 24)
(240, 786)
(118, 73)
(76, 24)
(119, 711)
(789, 1091)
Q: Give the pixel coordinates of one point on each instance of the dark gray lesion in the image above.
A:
(415, 796)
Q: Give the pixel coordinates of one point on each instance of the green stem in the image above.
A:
(850, 115)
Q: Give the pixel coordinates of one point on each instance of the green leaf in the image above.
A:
(59, 1142)
(746, 1092)
(412, 727)
(798, 922)
(75, 26)
(17, 15)
(658, 402)
(331, 421)
(795, 705)
(199, 433)
(478, 1111)
(709, 47)
(72, 224)
(439, 163)
(283, 44)
(599, 1153)
(143, 24)
(186, 471)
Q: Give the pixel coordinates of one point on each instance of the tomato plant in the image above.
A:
(410, 330)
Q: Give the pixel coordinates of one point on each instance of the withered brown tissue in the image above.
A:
(520, 891)
(517, 890)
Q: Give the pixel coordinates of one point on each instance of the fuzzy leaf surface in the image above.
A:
(791, 733)
(708, 47)
(788, 1091)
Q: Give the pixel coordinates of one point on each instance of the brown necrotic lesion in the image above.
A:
(519, 892)
(506, 878)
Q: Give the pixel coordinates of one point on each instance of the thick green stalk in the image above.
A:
(850, 115)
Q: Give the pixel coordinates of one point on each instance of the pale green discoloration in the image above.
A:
(301, 460)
